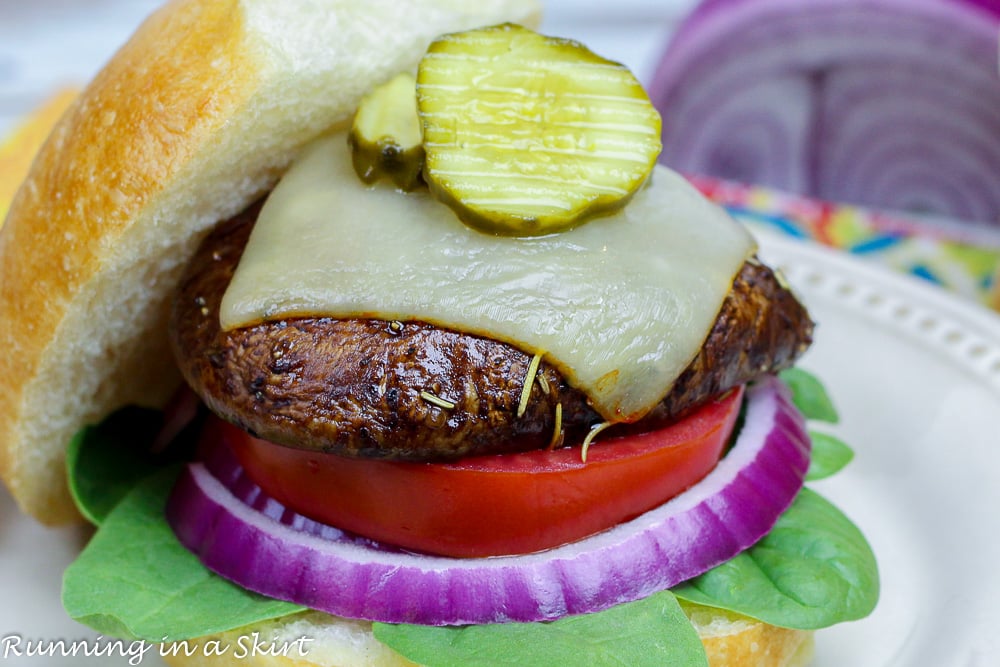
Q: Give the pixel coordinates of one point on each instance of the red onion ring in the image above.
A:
(886, 103)
(277, 553)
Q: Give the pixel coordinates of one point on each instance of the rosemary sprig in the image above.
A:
(590, 438)
(433, 399)
(529, 380)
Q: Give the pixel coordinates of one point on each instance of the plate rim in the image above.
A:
(966, 332)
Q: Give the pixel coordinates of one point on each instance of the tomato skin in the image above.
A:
(492, 505)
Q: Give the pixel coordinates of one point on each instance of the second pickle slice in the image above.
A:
(528, 135)
(385, 136)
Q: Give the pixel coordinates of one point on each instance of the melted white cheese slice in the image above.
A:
(621, 304)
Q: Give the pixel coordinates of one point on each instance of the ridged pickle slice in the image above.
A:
(526, 134)
(385, 137)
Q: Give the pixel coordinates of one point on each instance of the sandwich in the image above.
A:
(503, 391)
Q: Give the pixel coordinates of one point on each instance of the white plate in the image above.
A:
(916, 375)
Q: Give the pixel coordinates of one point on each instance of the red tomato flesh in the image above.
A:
(493, 505)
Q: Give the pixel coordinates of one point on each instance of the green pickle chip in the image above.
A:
(529, 135)
(385, 137)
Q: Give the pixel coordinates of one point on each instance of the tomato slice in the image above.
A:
(492, 505)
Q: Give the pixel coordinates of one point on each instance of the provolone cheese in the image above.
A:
(621, 305)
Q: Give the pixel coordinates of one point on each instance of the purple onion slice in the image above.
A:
(886, 103)
(250, 539)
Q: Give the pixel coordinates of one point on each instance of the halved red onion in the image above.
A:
(253, 541)
(886, 103)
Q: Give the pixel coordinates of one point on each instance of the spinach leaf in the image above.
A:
(809, 395)
(653, 632)
(829, 456)
(105, 461)
(814, 569)
(134, 580)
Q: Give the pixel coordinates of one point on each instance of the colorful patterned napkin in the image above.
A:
(960, 257)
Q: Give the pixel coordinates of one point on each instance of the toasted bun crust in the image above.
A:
(730, 641)
(192, 119)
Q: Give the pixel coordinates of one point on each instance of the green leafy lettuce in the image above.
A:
(107, 460)
(810, 396)
(135, 580)
(814, 569)
(829, 456)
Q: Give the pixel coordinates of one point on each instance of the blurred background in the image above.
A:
(46, 44)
